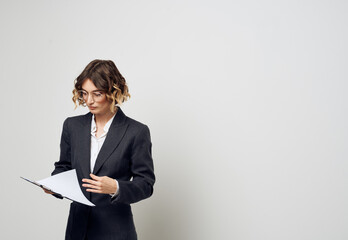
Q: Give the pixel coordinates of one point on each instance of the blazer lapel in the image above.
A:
(85, 146)
(114, 136)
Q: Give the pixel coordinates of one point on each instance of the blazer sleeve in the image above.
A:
(141, 186)
(64, 163)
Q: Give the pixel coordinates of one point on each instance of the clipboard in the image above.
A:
(43, 187)
(63, 185)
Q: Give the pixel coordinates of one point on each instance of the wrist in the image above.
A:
(116, 190)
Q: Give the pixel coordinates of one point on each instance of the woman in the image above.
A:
(111, 154)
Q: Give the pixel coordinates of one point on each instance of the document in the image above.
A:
(64, 184)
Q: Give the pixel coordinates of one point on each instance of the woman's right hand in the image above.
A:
(47, 191)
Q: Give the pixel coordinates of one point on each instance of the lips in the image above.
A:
(92, 108)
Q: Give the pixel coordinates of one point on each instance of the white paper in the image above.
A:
(67, 185)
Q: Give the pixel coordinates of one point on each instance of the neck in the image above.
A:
(105, 117)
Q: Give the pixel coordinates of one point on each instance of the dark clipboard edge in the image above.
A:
(42, 186)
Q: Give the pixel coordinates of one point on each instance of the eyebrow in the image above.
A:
(93, 90)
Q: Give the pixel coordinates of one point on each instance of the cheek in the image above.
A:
(105, 104)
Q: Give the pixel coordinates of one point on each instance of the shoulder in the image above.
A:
(77, 120)
(136, 128)
(138, 132)
(135, 125)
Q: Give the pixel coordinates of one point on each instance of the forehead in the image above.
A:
(89, 86)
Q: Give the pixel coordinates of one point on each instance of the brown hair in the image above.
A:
(106, 77)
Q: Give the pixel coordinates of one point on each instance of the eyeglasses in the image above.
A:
(96, 95)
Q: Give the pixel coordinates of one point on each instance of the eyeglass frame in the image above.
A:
(94, 97)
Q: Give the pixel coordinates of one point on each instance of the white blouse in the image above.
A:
(97, 143)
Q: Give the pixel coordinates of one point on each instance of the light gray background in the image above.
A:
(246, 102)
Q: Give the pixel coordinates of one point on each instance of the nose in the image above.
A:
(90, 99)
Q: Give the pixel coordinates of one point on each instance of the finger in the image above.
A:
(91, 186)
(95, 177)
(90, 181)
(46, 191)
(93, 190)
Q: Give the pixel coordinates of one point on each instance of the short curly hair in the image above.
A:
(106, 77)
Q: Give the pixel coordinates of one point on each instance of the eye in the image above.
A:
(82, 93)
(97, 94)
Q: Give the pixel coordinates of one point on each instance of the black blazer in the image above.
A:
(124, 156)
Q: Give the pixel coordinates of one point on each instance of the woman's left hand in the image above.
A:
(97, 184)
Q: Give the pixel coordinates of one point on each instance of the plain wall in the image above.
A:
(246, 102)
